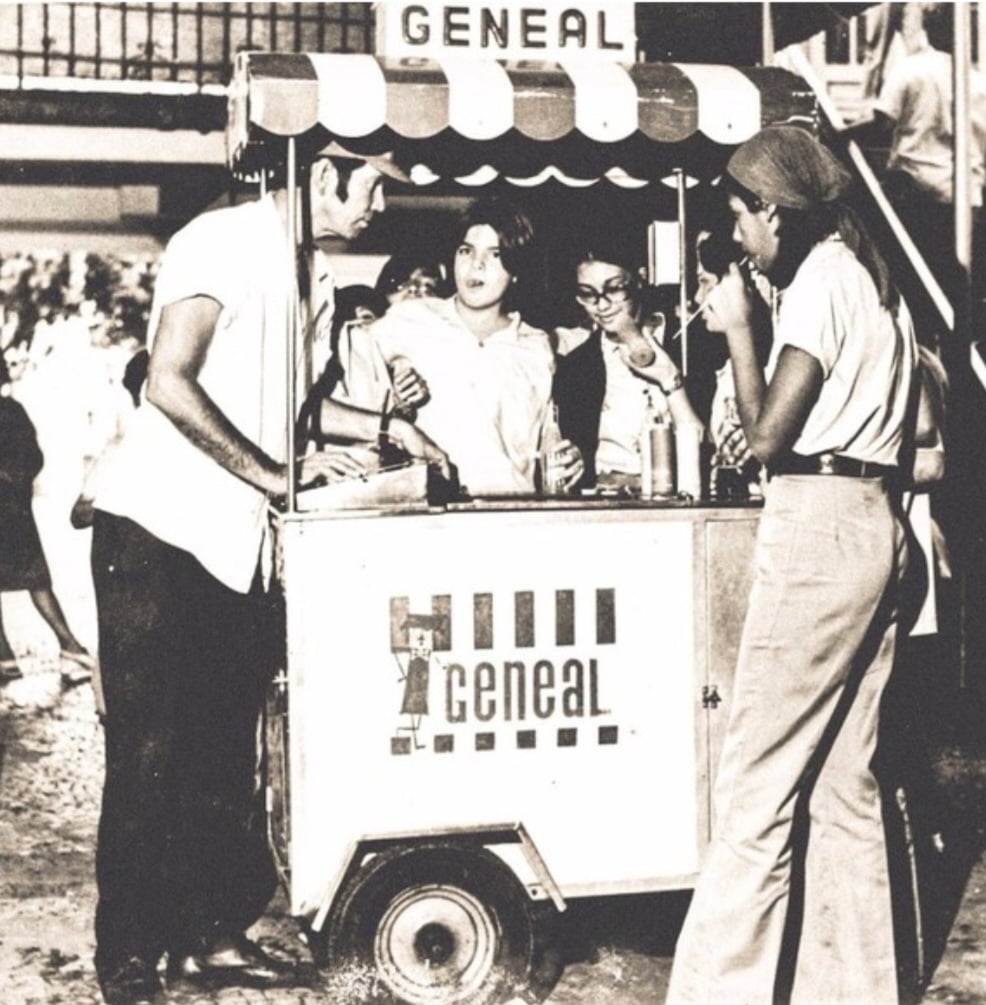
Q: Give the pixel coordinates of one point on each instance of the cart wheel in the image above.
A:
(437, 924)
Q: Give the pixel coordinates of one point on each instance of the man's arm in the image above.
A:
(875, 131)
(350, 422)
(181, 344)
(772, 416)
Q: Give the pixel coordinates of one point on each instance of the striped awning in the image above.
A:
(363, 99)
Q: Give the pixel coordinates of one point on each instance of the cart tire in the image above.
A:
(437, 924)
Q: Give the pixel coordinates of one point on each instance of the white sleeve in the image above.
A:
(893, 95)
(808, 320)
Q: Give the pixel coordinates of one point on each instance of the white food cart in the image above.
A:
(488, 708)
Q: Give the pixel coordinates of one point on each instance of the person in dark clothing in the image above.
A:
(22, 559)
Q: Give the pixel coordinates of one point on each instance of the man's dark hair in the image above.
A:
(938, 21)
(345, 166)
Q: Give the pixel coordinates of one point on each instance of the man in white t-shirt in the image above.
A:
(914, 113)
(186, 629)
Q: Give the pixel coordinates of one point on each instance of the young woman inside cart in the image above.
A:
(486, 375)
(610, 369)
(798, 808)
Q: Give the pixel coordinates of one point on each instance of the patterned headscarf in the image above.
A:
(787, 166)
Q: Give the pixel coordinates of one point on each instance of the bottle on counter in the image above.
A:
(657, 452)
(552, 476)
(688, 438)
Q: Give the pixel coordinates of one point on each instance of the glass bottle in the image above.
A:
(552, 471)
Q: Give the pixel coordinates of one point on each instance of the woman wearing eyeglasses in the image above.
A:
(607, 370)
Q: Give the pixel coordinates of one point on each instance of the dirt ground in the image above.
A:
(616, 950)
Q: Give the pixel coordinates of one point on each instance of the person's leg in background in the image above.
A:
(9, 670)
(71, 649)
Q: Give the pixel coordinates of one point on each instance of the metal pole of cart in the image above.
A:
(970, 585)
(680, 182)
(292, 328)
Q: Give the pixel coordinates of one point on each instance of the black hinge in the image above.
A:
(710, 696)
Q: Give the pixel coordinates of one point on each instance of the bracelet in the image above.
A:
(677, 383)
(383, 431)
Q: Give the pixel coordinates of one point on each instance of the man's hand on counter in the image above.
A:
(570, 462)
(412, 441)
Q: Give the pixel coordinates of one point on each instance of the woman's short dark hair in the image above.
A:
(611, 250)
(513, 227)
(401, 265)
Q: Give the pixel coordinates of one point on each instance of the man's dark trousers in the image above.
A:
(182, 855)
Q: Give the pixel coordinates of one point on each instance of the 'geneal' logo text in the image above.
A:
(441, 694)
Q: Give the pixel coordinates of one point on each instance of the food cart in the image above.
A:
(490, 707)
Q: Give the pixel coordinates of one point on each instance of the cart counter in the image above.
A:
(561, 665)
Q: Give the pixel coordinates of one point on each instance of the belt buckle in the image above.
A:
(826, 464)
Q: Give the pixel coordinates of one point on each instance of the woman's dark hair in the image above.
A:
(802, 229)
(716, 251)
(401, 266)
(4, 372)
(348, 299)
(612, 250)
(513, 227)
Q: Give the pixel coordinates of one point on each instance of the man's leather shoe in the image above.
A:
(229, 962)
(135, 983)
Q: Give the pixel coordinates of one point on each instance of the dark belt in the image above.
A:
(830, 464)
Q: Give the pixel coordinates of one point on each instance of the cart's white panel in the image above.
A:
(579, 722)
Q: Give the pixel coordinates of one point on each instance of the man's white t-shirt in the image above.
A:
(918, 97)
(158, 478)
(832, 311)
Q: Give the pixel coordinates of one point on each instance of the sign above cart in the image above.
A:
(506, 31)
(586, 117)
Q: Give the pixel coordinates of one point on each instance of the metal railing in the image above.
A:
(186, 43)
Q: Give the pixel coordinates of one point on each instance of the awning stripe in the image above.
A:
(417, 98)
(667, 103)
(605, 100)
(728, 102)
(481, 98)
(542, 110)
(352, 93)
(283, 93)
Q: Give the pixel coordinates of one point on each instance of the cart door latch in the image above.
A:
(710, 696)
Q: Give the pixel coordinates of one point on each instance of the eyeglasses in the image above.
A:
(615, 291)
(422, 287)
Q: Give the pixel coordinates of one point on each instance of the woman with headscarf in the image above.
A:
(793, 903)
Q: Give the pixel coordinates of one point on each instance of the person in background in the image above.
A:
(181, 560)
(793, 902)
(408, 274)
(22, 559)
(485, 375)
(913, 116)
(607, 370)
(356, 308)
